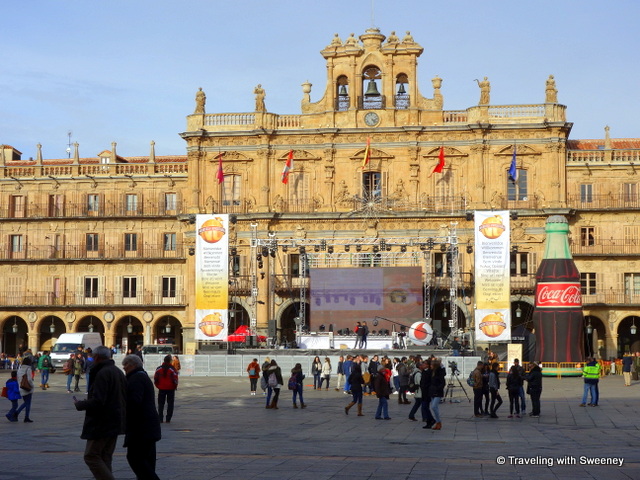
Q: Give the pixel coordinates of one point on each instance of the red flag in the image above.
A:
(288, 166)
(438, 168)
(220, 174)
(367, 154)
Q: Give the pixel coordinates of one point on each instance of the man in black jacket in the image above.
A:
(105, 409)
(534, 388)
(143, 422)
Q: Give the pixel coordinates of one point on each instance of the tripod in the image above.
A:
(455, 375)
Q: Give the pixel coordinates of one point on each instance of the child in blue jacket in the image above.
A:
(13, 394)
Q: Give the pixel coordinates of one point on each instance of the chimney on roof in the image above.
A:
(114, 155)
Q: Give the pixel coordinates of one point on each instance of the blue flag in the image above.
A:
(513, 170)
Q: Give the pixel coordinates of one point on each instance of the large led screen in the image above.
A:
(343, 296)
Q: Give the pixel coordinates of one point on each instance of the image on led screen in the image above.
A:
(343, 296)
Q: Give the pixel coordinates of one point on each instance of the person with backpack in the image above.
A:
(415, 388)
(166, 381)
(275, 382)
(13, 395)
(253, 369)
(44, 365)
(295, 384)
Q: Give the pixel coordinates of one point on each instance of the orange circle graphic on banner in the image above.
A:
(211, 325)
(492, 227)
(212, 230)
(493, 325)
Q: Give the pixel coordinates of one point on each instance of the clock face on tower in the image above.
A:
(371, 119)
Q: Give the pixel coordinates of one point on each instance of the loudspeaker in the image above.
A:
(271, 328)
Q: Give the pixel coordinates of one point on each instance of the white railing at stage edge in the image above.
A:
(326, 341)
(236, 365)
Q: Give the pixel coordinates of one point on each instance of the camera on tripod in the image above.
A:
(454, 367)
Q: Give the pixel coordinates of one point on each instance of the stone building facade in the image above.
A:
(108, 241)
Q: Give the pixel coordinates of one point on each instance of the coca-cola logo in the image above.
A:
(558, 295)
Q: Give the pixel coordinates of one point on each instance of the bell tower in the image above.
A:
(372, 81)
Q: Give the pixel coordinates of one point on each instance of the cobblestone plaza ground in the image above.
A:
(219, 431)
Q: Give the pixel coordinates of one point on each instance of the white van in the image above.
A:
(68, 343)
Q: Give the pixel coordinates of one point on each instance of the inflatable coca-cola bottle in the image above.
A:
(557, 316)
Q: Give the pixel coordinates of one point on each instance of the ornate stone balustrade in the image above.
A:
(93, 169)
(481, 114)
(594, 157)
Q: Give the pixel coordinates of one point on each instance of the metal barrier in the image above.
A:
(236, 365)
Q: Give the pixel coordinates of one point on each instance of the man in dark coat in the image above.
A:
(105, 409)
(143, 423)
(534, 388)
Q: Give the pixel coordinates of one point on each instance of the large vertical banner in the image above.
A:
(493, 288)
(212, 277)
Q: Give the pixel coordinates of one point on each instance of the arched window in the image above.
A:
(342, 94)
(371, 86)
(401, 98)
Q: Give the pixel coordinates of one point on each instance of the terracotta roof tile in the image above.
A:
(616, 143)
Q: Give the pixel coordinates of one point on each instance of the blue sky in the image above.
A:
(127, 70)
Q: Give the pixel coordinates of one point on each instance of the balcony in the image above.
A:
(93, 171)
(607, 247)
(604, 202)
(103, 298)
(612, 297)
(103, 252)
(106, 209)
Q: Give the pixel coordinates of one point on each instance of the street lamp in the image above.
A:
(589, 328)
(15, 326)
(91, 325)
(129, 327)
(633, 327)
(167, 329)
(518, 312)
(52, 328)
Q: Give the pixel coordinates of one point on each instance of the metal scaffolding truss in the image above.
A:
(357, 252)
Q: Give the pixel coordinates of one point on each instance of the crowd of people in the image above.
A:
(422, 379)
(117, 403)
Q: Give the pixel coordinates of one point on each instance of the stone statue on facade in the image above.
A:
(260, 94)
(336, 41)
(393, 38)
(408, 38)
(551, 93)
(485, 90)
(352, 40)
(201, 99)
(342, 195)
